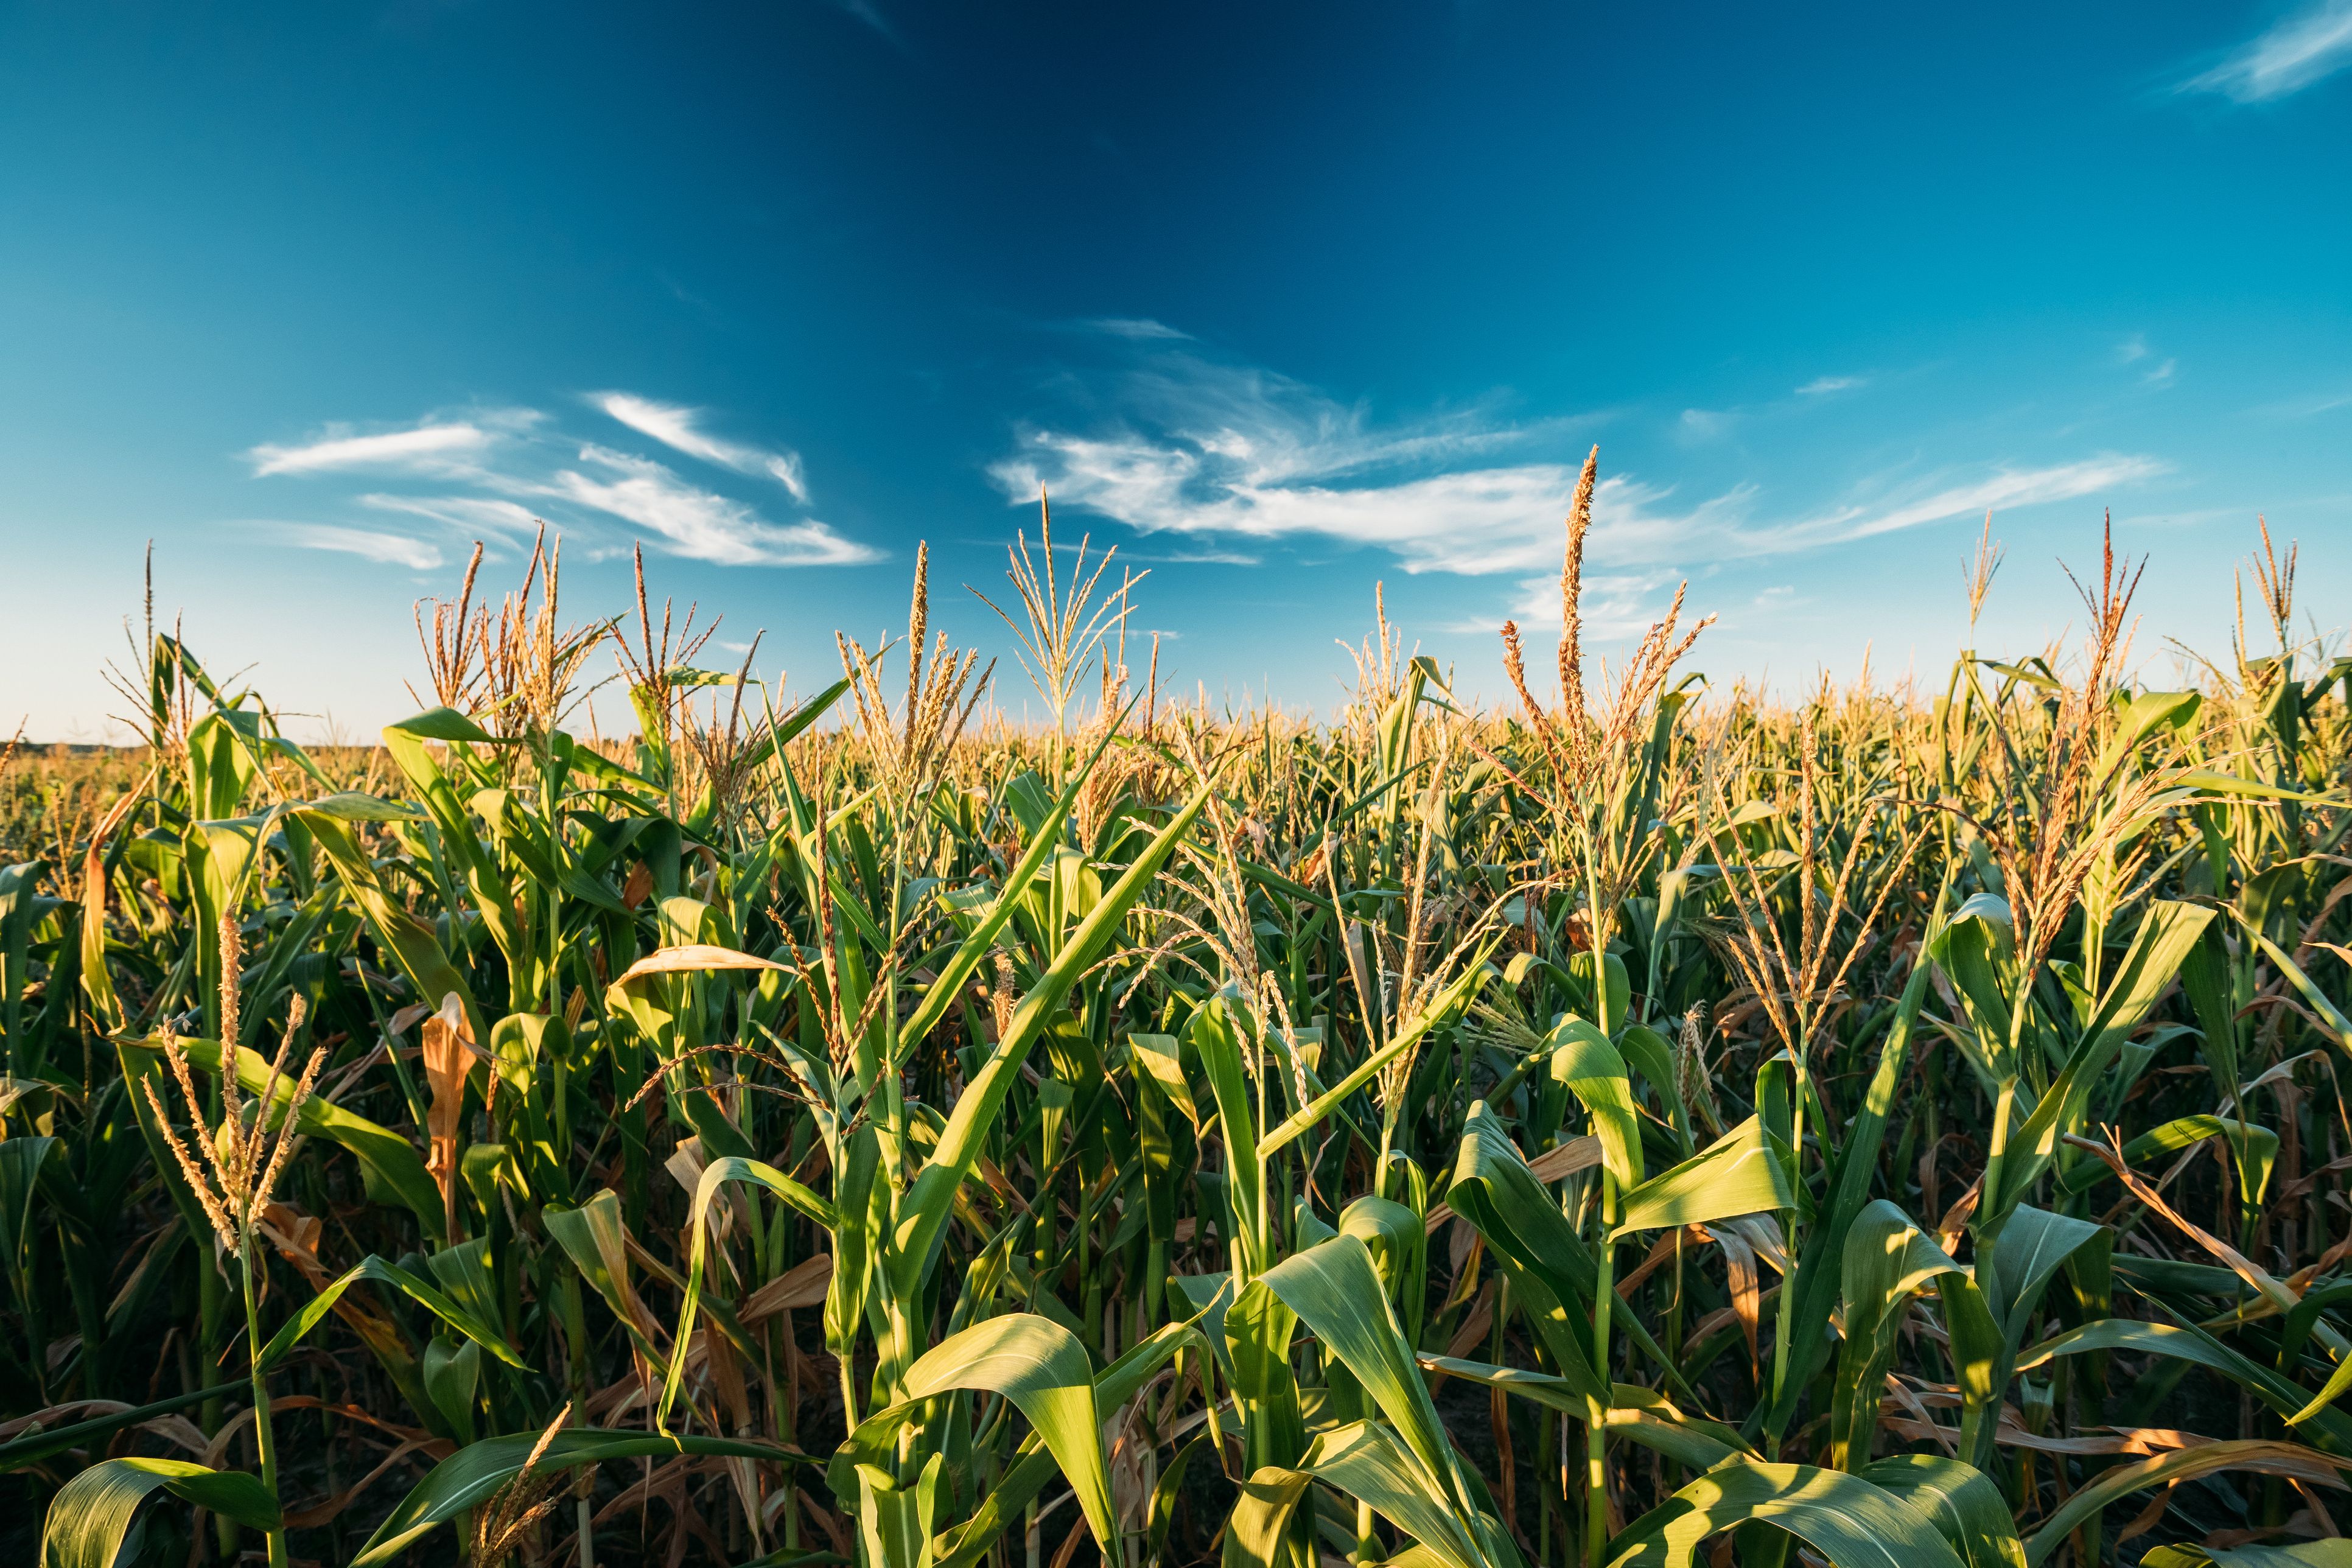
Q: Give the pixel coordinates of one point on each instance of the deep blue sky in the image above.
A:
(1283, 300)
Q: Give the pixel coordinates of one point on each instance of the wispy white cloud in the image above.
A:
(500, 473)
(466, 514)
(424, 449)
(2135, 350)
(2305, 407)
(1822, 385)
(1220, 449)
(681, 429)
(1232, 453)
(2294, 52)
(389, 549)
(2004, 488)
(698, 523)
(1136, 328)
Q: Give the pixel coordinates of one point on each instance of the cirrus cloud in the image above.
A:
(681, 428)
(387, 548)
(2294, 52)
(499, 474)
(429, 447)
(698, 524)
(1200, 448)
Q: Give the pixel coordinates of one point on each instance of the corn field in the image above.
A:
(1640, 1123)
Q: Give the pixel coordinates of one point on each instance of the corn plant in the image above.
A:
(1650, 1122)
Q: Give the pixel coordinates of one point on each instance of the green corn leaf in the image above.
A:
(1584, 1059)
(2034, 1244)
(1640, 1415)
(1035, 1467)
(718, 1174)
(412, 943)
(352, 805)
(1845, 1518)
(1887, 1257)
(1960, 1500)
(375, 1270)
(451, 1371)
(1552, 1272)
(2255, 1149)
(1857, 1164)
(1336, 1293)
(1737, 1174)
(1652, 1055)
(895, 1522)
(21, 1160)
(2138, 717)
(1258, 1327)
(2262, 1456)
(1366, 1463)
(1440, 1011)
(2210, 781)
(1043, 840)
(1398, 1238)
(2167, 936)
(2187, 1342)
(2338, 1023)
(2335, 1553)
(470, 1476)
(1219, 1047)
(1974, 949)
(1034, 1362)
(93, 1512)
(1257, 1531)
(594, 1237)
(929, 1198)
(1157, 1056)
(2138, 1338)
(1494, 1191)
(1980, 1358)
(861, 1206)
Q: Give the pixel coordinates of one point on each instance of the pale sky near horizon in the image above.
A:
(1282, 301)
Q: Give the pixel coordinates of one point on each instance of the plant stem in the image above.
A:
(265, 1435)
(1604, 1295)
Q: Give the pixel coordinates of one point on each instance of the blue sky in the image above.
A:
(1282, 301)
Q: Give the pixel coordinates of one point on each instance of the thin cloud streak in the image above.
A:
(698, 523)
(1134, 328)
(428, 447)
(468, 515)
(679, 428)
(2299, 50)
(2003, 490)
(387, 548)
